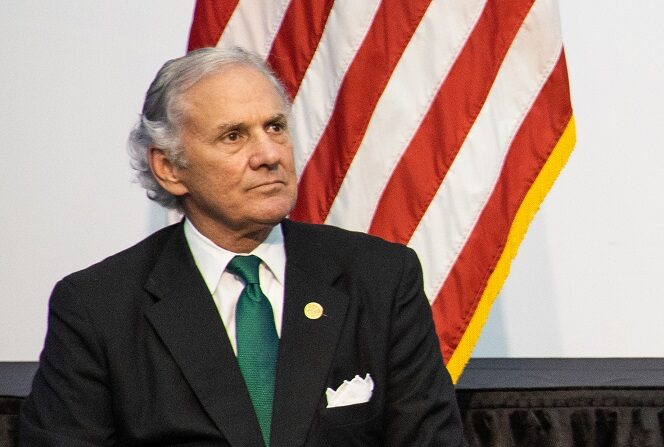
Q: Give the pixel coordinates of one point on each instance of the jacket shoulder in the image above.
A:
(133, 262)
(316, 247)
(328, 236)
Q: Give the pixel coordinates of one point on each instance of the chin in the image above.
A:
(273, 218)
(276, 210)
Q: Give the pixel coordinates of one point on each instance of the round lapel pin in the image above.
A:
(313, 311)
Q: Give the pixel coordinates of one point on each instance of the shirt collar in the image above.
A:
(212, 260)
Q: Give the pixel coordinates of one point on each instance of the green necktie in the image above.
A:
(257, 341)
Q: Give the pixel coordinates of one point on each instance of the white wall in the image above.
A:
(72, 78)
(586, 281)
(588, 278)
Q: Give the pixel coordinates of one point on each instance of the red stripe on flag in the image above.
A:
(296, 42)
(458, 298)
(210, 19)
(393, 26)
(434, 147)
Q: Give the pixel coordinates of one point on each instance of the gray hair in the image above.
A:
(163, 114)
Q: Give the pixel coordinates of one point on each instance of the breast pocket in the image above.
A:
(348, 426)
(348, 414)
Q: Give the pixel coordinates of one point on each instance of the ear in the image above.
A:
(167, 174)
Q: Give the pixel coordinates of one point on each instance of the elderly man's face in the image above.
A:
(240, 174)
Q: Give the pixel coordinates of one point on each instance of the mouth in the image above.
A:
(269, 185)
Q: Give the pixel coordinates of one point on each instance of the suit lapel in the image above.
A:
(187, 321)
(307, 345)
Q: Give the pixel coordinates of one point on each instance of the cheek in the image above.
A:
(223, 174)
(211, 185)
(288, 160)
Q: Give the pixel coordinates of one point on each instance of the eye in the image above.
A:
(276, 127)
(231, 137)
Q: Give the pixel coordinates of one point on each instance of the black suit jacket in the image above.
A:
(136, 353)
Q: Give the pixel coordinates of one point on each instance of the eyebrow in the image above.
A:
(277, 117)
(223, 127)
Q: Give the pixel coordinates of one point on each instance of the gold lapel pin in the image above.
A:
(313, 311)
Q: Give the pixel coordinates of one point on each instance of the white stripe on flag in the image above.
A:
(253, 25)
(346, 27)
(403, 105)
(451, 216)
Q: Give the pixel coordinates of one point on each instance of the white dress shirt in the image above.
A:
(225, 287)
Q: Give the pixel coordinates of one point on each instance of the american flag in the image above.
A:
(440, 124)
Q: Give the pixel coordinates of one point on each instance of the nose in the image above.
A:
(266, 152)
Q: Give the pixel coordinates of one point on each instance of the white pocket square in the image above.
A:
(357, 391)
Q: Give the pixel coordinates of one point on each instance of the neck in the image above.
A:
(241, 240)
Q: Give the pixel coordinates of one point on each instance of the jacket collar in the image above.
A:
(307, 345)
(187, 321)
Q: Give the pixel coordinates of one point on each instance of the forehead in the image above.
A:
(232, 90)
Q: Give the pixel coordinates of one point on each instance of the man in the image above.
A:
(320, 337)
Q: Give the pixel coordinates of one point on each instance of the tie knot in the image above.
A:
(246, 267)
